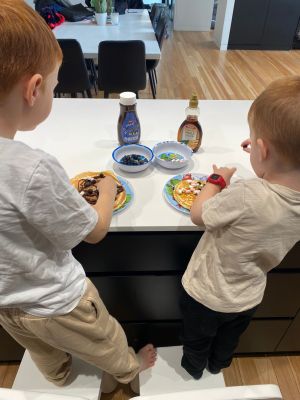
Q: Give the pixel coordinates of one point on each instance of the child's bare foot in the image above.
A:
(147, 356)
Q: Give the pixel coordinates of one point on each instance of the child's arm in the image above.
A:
(209, 191)
(104, 207)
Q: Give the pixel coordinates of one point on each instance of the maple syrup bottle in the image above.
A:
(190, 131)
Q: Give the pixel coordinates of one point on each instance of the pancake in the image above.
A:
(85, 183)
(186, 191)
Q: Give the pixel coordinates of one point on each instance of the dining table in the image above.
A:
(133, 25)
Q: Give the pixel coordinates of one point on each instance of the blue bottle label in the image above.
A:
(130, 130)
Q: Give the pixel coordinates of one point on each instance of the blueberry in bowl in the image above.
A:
(132, 157)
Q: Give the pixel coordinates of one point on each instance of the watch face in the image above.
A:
(214, 176)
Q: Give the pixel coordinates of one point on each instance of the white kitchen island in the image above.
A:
(137, 268)
(83, 133)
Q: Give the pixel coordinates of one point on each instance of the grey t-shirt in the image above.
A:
(250, 227)
(42, 217)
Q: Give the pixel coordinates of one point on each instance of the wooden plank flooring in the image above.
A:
(8, 373)
(191, 62)
(283, 371)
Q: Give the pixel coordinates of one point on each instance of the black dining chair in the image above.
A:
(121, 66)
(138, 4)
(157, 11)
(73, 76)
(160, 33)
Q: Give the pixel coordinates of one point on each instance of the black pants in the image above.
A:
(209, 337)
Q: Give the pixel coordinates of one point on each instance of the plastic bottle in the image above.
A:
(190, 131)
(129, 129)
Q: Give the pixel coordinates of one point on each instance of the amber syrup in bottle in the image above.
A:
(190, 131)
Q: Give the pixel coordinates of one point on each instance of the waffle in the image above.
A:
(185, 192)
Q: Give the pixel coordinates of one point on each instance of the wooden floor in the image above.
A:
(191, 62)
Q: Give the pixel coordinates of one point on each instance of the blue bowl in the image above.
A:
(129, 149)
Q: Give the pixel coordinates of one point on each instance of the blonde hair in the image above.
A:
(275, 116)
(27, 45)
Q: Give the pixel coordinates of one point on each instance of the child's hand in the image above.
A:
(225, 172)
(108, 186)
(246, 145)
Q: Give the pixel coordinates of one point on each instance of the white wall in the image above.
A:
(193, 15)
(223, 23)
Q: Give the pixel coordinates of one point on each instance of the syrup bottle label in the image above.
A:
(189, 132)
(130, 130)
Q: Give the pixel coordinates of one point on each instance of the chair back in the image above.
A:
(152, 11)
(156, 12)
(138, 4)
(121, 66)
(73, 74)
(160, 30)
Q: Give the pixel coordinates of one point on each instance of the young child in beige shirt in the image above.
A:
(46, 302)
(250, 226)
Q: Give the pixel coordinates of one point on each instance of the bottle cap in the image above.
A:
(127, 98)
(193, 101)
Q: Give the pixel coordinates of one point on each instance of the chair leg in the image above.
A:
(93, 68)
(106, 94)
(137, 94)
(155, 76)
(152, 84)
(93, 72)
(73, 95)
(89, 93)
(153, 80)
(95, 87)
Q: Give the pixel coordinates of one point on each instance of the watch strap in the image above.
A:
(217, 179)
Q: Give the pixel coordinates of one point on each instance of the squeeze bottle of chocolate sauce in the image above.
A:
(129, 129)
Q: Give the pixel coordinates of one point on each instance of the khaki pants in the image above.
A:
(88, 332)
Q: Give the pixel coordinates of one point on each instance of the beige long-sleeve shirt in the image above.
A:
(250, 227)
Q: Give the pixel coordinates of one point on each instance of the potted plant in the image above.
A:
(100, 7)
(110, 6)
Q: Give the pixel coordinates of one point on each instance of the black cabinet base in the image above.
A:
(264, 24)
(10, 350)
(160, 334)
(262, 335)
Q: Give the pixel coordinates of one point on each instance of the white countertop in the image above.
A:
(82, 134)
(132, 26)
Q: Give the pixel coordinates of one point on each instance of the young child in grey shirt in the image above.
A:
(46, 302)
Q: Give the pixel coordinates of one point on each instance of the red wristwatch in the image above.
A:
(217, 179)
